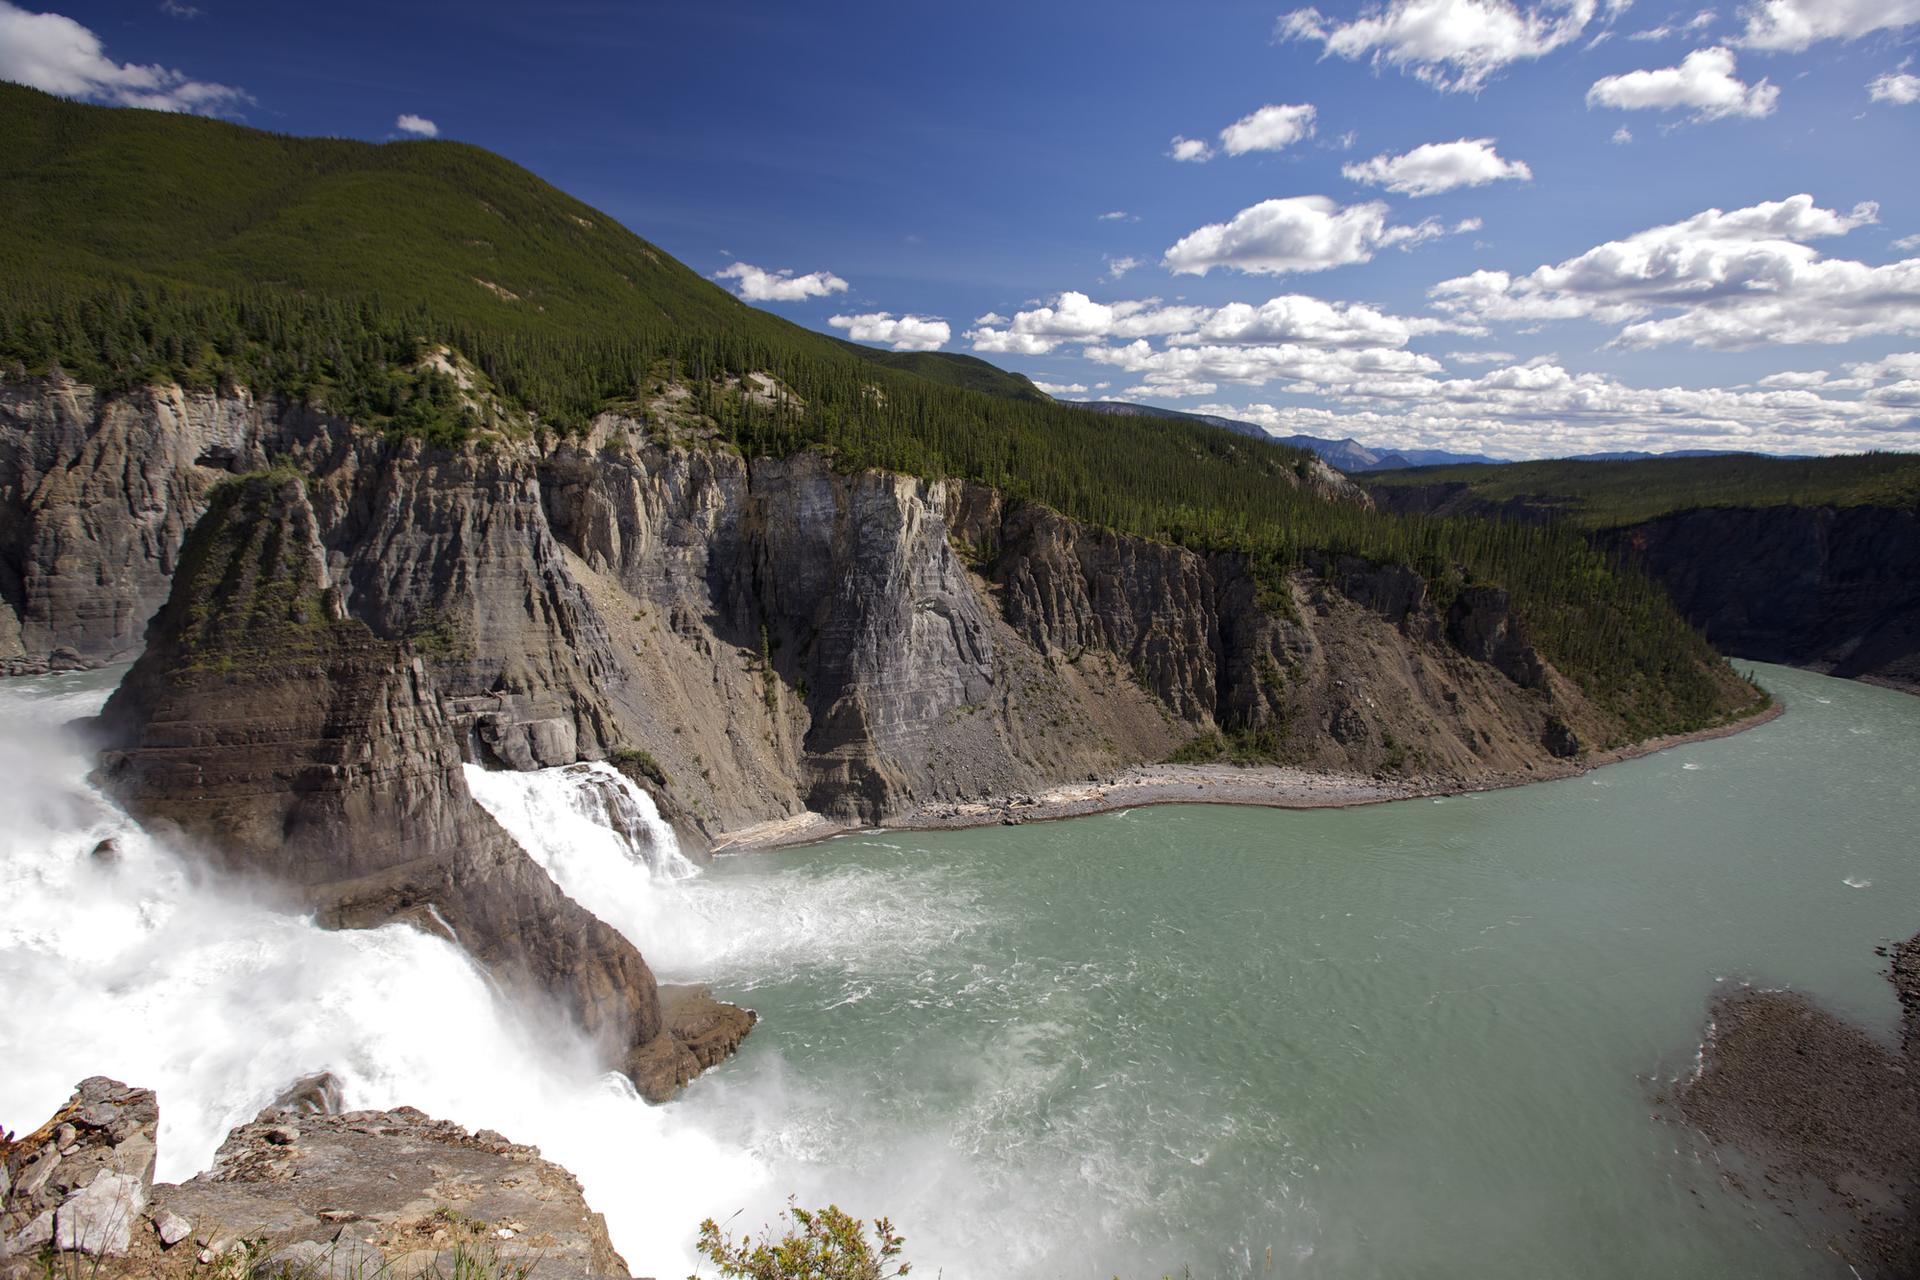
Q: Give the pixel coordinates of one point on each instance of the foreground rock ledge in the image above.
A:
(295, 1192)
(1830, 1114)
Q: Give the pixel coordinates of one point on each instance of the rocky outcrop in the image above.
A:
(311, 1194)
(1481, 624)
(1831, 588)
(285, 739)
(79, 1184)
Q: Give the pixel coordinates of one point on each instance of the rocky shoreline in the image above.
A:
(1259, 786)
(1821, 1119)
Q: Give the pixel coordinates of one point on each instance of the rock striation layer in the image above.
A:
(294, 745)
(776, 637)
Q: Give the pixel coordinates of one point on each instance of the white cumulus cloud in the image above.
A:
(1718, 279)
(1061, 388)
(1271, 128)
(902, 333)
(418, 126)
(1542, 409)
(1439, 166)
(1293, 319)
(57, 54)
(1294, 234)
(1703, 83)
(1075, 317)
(1792, 25)
(1453, 45)
(758, 285)
(1896, 87)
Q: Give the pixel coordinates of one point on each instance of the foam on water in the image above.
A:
(135, 967)
(138, 967)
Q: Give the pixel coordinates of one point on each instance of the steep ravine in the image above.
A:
(1833, 589)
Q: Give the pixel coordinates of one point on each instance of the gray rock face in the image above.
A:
(98, 1219)
(290, 743)
(80, 1181)
(353, 1195)
(97, 494)
(779, 637)
(1834, 589)
(1481, 625)
(171, 1228)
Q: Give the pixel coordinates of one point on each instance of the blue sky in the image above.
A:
(1532, 283)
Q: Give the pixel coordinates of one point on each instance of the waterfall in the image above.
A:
(577, 814)
(599, 836)
(122, 959)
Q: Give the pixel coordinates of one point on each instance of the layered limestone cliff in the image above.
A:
(774, 637)
(283, 737)
(754, 641)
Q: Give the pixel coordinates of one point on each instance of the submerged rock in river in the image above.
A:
(1831, 1115)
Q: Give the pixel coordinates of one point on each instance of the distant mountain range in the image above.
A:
(1351, 456)
(1347, 455)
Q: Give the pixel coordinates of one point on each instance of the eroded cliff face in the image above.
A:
(286, 739)
(97, 494)
(754, 641)
(776, 637)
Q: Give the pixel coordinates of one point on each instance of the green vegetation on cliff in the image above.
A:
(1602, 495)
(143, 247)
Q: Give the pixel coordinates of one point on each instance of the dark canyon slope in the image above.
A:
(388, 460)
(1809, 562)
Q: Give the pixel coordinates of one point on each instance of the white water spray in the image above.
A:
(130, 965)
(135, 966)
(585, 823)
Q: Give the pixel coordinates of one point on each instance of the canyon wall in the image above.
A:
(1834, 589)
(353, 616)
(770, 636)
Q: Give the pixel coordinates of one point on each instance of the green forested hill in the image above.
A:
(1607, 494)
(138, 246)
(89, 191)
